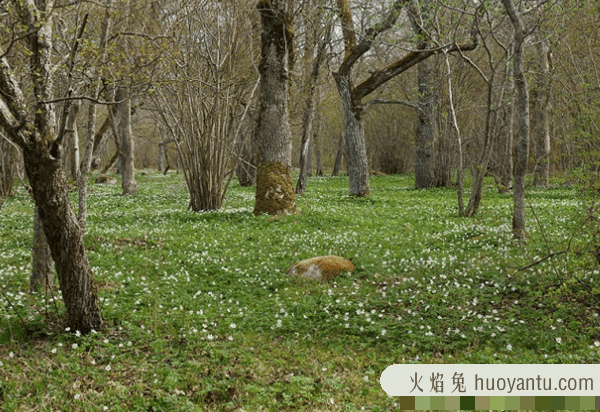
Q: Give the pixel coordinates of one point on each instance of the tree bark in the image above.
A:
(426, 133)
(41, 258)
(126, 155)
(161, 157)
(317, 141)
(274, 186)
(8, 166)
(506, 167)
(541, 132)
(71, 160)
(522, 106)
(305, 152)
(65, 238)
(339, 158)
(356, 149)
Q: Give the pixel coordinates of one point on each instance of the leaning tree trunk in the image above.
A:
(481, 167)
(356, 150)
(65, 238)
(541, 132)
(31, 128)
(522, 108)
(426, 132)
(127, 145)
(274, 186)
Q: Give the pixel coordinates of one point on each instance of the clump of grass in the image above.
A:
(201, 316)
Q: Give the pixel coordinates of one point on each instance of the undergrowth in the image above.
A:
(201, 316)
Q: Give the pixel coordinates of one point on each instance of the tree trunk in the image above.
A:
(522, 107)
(127, 145)
(481, 168)
(339, 158)
(31, 128)
(506, 167)
(65, 239)
(309, 113)
(459, 171)
(305, 152)
(426, 132)
(42, 263)
(246, 165)
(95, 141)
(356, 150)
(8, 166)
(161, 157)
(71, 142)
(541, 132)
(309, 159)
(274, 186)
(317, 142)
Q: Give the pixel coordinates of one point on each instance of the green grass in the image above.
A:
(201, 316)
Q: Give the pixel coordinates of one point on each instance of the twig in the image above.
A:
(15, 309)
(537, 262)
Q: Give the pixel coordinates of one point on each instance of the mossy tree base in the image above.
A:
(274, 190)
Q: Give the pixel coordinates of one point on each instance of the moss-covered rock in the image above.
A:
(274, 190)
(321, 268)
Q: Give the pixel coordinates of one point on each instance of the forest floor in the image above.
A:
(200, 315)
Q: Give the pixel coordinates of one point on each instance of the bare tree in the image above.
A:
(354, 48)
(310, 109)
(201, 108)
(125, 136)
(494, 71)
(94, 140)
(32, 129)
(522, 103)
(541, 97)
(427, 132)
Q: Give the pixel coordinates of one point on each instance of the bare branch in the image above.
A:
(91, 99)
(353, 51)
(384, 101)
(535, 7)
(537, 262)
(399, 66)
(135, 34)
